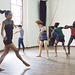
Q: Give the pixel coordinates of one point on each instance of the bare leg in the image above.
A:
(64, 49)
(55, 46)
(40, 48)
(6, 50)
(45, 44)
(70, 41)
(12, 46)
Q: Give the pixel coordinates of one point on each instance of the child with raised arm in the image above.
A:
(72, 37)
(20, 38)
(59, 38)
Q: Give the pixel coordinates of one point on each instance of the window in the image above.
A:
(17, 8)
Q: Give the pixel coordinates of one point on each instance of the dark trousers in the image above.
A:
(20, 42)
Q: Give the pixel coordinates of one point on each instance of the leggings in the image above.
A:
(20, 42)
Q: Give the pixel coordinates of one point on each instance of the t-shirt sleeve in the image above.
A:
(21, 31)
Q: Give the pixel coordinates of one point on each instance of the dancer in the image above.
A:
(1, 12)
(42, 38)
(20, 39)
(59, 38)
(72, 35)
(8, 25)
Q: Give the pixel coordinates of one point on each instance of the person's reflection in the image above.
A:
(23, 73)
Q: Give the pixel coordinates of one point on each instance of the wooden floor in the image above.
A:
(60, 65)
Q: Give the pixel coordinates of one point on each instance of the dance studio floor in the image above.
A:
(39, 66)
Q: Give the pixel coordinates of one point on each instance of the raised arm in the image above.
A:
(67, 27)
(16, 32)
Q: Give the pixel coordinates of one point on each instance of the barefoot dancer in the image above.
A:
(1, 12)
(72, 35)
(8, 27)
(42, 38)
(59, 38)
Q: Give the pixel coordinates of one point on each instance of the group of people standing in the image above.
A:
(42, 38)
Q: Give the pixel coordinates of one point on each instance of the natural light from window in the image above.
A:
(16, 8)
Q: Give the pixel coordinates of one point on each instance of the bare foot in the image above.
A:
(23, 52)
(39, 56)
(67, 54)
(1, 69)
(47, 58)
(26, 64)
(56, 55)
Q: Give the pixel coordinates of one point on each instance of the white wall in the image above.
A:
(33, 15)
(65, 14)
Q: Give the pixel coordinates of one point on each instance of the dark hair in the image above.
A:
(74, 24)
(19, 25)
(2, 11)
(7, 12)
(56, 24)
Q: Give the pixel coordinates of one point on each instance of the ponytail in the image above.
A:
(2, 11)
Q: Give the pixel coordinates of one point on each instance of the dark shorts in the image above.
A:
(72, 37)
(43, 39)
(7, 42)
(60, 39)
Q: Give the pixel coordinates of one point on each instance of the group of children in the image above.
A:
(42, 38)
(8, 25)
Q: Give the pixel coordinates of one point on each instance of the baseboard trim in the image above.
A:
(36, 47)
(31, 47)
(65, 46)
(24, 48)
